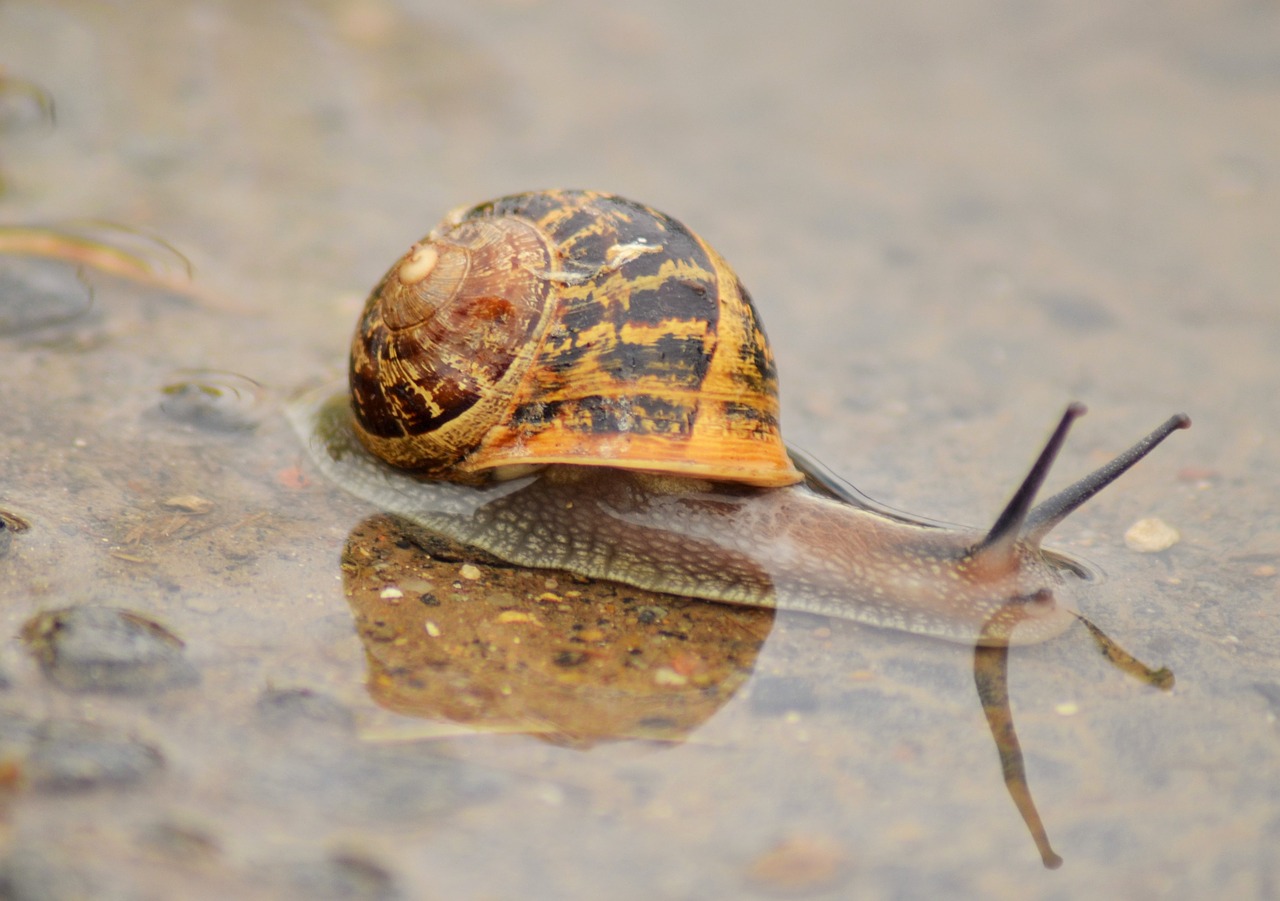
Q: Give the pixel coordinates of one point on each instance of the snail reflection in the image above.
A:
(495, 648)
(991, 676)
(573, 381)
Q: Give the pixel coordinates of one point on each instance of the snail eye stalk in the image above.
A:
(1041, 521)
(1008, 527)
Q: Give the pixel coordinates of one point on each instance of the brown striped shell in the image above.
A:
(566, 327)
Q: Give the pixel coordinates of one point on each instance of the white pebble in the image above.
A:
(1151, 535)
(665, 675)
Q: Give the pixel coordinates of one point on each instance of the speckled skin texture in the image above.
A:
(786, 548)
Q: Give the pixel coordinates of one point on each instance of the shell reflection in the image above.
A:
(450, 637)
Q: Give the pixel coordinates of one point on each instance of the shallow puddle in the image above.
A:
(225, 675)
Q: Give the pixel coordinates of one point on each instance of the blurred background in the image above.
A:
(953, 219)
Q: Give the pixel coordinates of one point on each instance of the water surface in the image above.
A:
(953, 221)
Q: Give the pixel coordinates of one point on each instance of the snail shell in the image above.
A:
(566, 327)
(570, 380)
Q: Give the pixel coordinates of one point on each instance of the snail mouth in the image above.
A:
(1020, 618)
(1025, 619)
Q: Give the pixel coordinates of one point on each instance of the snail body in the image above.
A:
(570, 380)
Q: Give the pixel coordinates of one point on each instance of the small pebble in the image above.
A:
(10, 524)
(517, 616)
(343, 874)
(379, 630)
(649, 614)
(285, 708)
(106, 649)
(188, 503)
(570, 658)
(69, 756)
(799, 865)
(1151, 535)
(391, 593)
(665, 675)
(469, 571)
(432, 629)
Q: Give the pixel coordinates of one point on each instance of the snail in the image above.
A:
(571, 380)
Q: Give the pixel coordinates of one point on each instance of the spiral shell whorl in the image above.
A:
(442, 344)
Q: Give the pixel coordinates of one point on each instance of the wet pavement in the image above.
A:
(224, 675)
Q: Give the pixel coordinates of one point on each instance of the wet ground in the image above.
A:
(954, 220)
